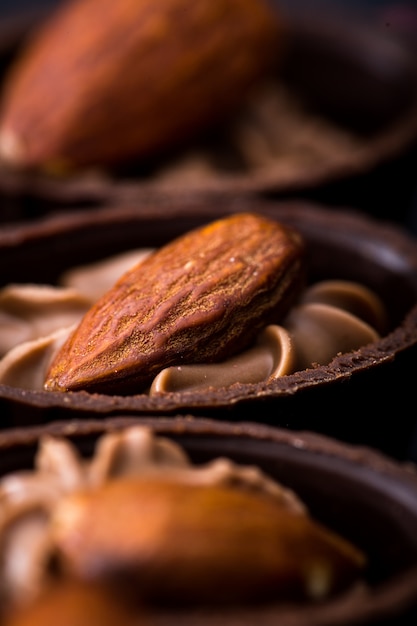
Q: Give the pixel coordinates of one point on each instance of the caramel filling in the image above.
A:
(331, 317)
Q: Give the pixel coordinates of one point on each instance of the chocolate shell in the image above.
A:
(357, 397)
(359, 493)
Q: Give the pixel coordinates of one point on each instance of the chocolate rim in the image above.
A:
(396, 135)
(377, 371)
(390, 598)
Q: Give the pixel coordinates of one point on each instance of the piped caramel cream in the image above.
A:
(272, 355)
(28, 312)
(330, 318)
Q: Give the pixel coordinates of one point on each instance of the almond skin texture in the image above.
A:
(199, 299)
(193, 544)
(147, 77)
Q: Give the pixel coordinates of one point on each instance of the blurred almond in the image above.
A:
(75, 603)
(189, 544)
(103, 82)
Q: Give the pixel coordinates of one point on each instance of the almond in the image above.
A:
(198, 299)
(191, 544)
(106, 81)
(75, 603)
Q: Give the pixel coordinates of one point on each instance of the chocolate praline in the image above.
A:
(356, 397)
(323, 129)
(359, 493)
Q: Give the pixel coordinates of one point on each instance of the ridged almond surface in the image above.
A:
(191, 544)
(198, 299)
(104, 81)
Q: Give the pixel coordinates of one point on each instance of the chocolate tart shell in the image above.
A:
(359, 493)
(344, 101)
(360, 396)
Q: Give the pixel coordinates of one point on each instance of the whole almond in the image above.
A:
(198, 299)
(104, 81)
(190, 544)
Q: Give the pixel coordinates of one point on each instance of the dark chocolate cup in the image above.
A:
(355, 85)
(360, 397)
(360, 493)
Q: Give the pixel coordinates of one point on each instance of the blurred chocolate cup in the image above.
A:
(357, 397)
(343, 102)
(359, 493)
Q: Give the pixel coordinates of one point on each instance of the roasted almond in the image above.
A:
(191, 544)
(198, 299)
(105, 81)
